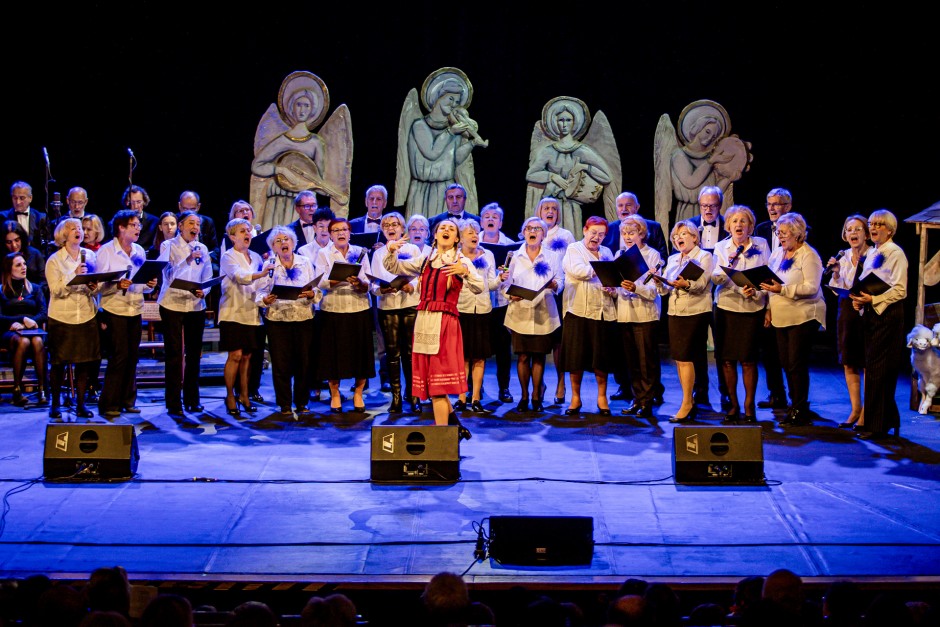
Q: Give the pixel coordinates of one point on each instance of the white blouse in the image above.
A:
(848, 267)
(471, 303)
(584, 295)
(114, 300)
(889, 263)
(499, 299)
(557, 240)
(342, 298)
(801, 298)
(237, 303)
(643, 305)
(176, 251)
(409, 260)
(71, 304)
(697, 299)
(391, 300)
(729, 295)
(299, 274)
(539, 316)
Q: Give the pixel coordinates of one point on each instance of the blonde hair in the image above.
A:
(61, 230)
(96, 224)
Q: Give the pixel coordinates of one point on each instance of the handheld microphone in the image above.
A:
(832, 266)
(82, 253)
(129, 269)
(130, 153)
(45, 153)
(735, 256)
(649, 275)
(257, 228)
(506, 263)
(271, 269)
(362, 256)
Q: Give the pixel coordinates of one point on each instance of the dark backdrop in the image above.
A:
(838, 107)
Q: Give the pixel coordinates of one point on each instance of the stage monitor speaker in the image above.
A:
(90, 452)
(542, 540)
(718, 455)
(417, 454)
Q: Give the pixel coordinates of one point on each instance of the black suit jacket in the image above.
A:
(358, 225)
(654, 237)
(464, 216)
(766, 230)
(37, 222)
(299, 232)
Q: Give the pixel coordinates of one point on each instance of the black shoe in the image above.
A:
(603, 411)
(460, 405)
(689, 417)
(631, 410)
(773, 402)
(505, 396)
(748, 420)
(622, 395)
(463, 433)
(55, 412)
(797, 418)
(360, 408)
(537, 406)
(871, 435)
(130, 410)
(523, 405)
(82, 412)
(701, 399)
(232, 411)
(18, 399)
(644, 412)
(246, 406)
(195, 409)
(176, 412)
(573, 411)
(658, 400)
(725, 402)
(415, 405)
(256, 398)
(478, 408)
(395, 406)
(858, 428)
(558, 400)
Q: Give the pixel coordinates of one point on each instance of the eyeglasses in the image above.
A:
(134, 225)
(877, 225)
(308, 206)
(713, 206)
(281, 240)
(533, 229)
(778, 205)
(346, 230)
(855, 229)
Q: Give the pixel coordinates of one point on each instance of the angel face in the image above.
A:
(565, 122)
(684, 241)
(593, 237)
(242, 238)
(448, 102)
(302, 109)
(708, 134)
(418, 234)
(168, 227)
(548, 211)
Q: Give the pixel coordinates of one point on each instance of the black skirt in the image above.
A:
(739, 332)
(688, 336)
(346, 349)
(588, 344)
(850, 335)
(476, 336)
(532, 344)
(73, 343)
(235, 336)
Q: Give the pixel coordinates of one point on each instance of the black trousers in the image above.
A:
(884, 346)
(182, 342)
(794, 345)
(770, 357)
(291, 347)
(398, 328)
(501, 343)
(120, 376)
(641, 347)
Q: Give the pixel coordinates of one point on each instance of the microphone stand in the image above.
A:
(53, 210)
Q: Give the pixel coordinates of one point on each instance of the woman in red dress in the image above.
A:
(437, 355)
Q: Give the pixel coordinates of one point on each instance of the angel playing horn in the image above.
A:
(563, 166)
(290, 157)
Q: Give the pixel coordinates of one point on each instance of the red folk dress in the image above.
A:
(443, 373)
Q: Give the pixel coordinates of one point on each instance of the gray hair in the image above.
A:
(234, 223)
(711, 189)
(795, 224)
(281, 230)
(889, 219)
(493, 206)
(687, 225)
(538, 221)
(743, 210)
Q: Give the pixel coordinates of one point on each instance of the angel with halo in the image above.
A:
(434, 149)
(290, 157)
(563, 166)
(702, 152)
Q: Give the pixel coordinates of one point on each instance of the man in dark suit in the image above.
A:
(305, 204)
(33, 220)
(779, 202)
(628, 205)
(376, 199)
(136, 197)
(454, 200)
(710, 227)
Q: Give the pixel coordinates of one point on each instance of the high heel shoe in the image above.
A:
(573, 411)
(558, 400)
(18, 399)
(247, 406)
(460, 405)
(463, 433)
(523, 405)
(478, 408)
(732, 417)
(537, 406)
(232, 411)
(689, 417)
(603, 411)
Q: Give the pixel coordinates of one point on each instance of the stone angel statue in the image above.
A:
(574, 160)
(290, 157)
(702, 152)
(434, 150)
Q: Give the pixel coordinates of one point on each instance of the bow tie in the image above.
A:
(305, 224)
(373, 220)
(712, 223)
(22, 213)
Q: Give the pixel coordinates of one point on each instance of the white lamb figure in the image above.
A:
(925, 359)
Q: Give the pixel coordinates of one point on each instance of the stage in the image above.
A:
(272, 499)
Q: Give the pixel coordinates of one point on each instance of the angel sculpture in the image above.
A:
(573, 171)
(434, 149)
(702, 153)
(290, 157)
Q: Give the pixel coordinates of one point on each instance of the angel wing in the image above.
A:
(338, 141)
(269, 126)
(600, 137)
(410, 111)
(534, 193)
(466, 176)
(664, 143)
